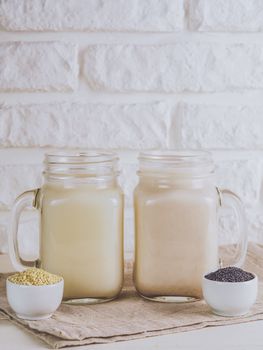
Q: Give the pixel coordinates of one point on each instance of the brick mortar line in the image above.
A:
(132, 38)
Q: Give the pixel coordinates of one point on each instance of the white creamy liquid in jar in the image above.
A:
(176, 238)
(82, 239)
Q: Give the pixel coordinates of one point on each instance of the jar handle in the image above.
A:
(229, 199)
(26, 199)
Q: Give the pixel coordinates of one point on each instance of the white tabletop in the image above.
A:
(246, 336)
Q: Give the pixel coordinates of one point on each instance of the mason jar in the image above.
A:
(81, 225)
(176, 224)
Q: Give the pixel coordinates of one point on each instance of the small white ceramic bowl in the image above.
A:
(34, 302)
(230, 298)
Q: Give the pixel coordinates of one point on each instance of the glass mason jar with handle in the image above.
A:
(176, 224)
(81, 225)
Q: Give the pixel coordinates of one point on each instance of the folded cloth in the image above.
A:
(3, 316)
(130, 316)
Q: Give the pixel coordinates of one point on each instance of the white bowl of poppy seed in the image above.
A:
(230, 291)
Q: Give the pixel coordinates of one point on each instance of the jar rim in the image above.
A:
(86, 157)
(175, 160)
(178, 155)
(87, 165)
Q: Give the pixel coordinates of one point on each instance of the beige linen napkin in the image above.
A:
(130, 316)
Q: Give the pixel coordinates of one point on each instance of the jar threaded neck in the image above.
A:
(179, 162)
(90, 164)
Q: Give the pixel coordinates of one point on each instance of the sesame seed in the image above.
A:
(34, 277)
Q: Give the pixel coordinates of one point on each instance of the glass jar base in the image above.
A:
(87, 301)
(171, 299)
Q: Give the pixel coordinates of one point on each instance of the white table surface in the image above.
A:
(245, 336)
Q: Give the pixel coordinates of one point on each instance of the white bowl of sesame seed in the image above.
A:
(34, 301)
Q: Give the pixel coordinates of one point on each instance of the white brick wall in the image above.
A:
(179, 67)
(41, 66)
(92, 15)
(76, 125)
(130, 75)
(226, 15)
(220, 127)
